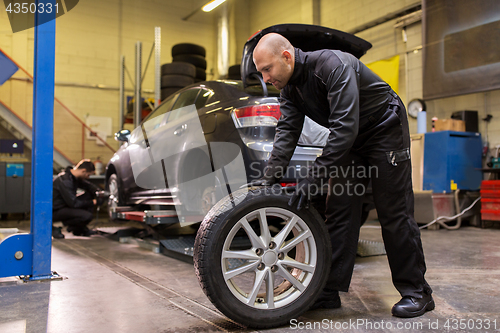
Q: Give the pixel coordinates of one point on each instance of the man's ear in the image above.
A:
(287, 55)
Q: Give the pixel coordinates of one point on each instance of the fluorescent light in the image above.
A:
(211, 5)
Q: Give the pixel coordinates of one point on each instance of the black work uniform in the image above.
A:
(73, 210)
(368, 131)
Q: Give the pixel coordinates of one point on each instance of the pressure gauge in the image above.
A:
(415, 106)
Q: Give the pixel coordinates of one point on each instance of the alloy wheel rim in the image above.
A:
(281, 261)
(113, 197)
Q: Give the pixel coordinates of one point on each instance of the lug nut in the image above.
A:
(259, 252)
(272, 245)
(274, 268)
(261, 266)
(281, 256)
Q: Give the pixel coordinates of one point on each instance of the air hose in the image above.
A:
(442, 219)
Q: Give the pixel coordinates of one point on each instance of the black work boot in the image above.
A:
(86, 232)
(56, 233)
(409, 306)
(328, 299)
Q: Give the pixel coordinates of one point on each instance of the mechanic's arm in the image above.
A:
(287, 135)
(69, 196)
(343, 98)
(89, 187)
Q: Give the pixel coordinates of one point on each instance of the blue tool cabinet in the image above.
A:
(452, 157)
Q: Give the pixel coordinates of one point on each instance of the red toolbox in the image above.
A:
(490, 200)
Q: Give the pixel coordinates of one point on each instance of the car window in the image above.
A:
(156, 118)
(185, 99)
(162, 109)
(205, 94)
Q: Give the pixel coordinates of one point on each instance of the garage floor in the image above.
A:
(113, 287)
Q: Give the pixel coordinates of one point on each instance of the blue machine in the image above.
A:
(452, 160)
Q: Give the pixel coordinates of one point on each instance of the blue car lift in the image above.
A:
(29, 255)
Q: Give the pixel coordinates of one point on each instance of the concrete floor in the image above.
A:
(113, 287)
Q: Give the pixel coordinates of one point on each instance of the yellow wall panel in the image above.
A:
(388, 70)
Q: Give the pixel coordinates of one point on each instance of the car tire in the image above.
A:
(115, 199)
(187, 48)
(306, 264)
(166, 92)
(178, 68)
(201, 74)
(234, 72)
(168, 81)
(194, 59)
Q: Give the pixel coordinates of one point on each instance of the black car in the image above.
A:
(210, 138)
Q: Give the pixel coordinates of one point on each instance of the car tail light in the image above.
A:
(257, 115)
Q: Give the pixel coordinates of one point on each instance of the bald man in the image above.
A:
(369, 135)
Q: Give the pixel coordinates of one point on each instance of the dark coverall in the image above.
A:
(74, 211)
(368, 131)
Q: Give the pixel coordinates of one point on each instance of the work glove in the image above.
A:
(302, 193)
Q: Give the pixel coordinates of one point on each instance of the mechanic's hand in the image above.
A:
(302, 194)
(102, 194)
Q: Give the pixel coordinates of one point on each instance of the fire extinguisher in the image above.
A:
(99, 167)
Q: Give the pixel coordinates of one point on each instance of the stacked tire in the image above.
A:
(234, 72)
(192, 54)
(175, 76)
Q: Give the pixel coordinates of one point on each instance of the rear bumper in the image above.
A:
(258, 154)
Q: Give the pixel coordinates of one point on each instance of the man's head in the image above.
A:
(83, 169)
(274, 57)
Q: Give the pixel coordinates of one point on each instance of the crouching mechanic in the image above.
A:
(368, 128)
(75, 211)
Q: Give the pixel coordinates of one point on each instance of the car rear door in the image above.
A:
(180, 133)
(147, 171)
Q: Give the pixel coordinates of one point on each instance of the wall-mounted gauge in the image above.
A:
(415, 106)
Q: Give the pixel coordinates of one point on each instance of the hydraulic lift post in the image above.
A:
(30, 254)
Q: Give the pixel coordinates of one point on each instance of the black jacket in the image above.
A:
(337, 91)
(64, 191)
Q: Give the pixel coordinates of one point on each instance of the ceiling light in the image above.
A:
(211, 5)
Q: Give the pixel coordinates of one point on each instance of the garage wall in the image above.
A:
(264, 13)
(239, 29)
(249, 16)
(387, 42)
(485, 103)
(90, 40)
